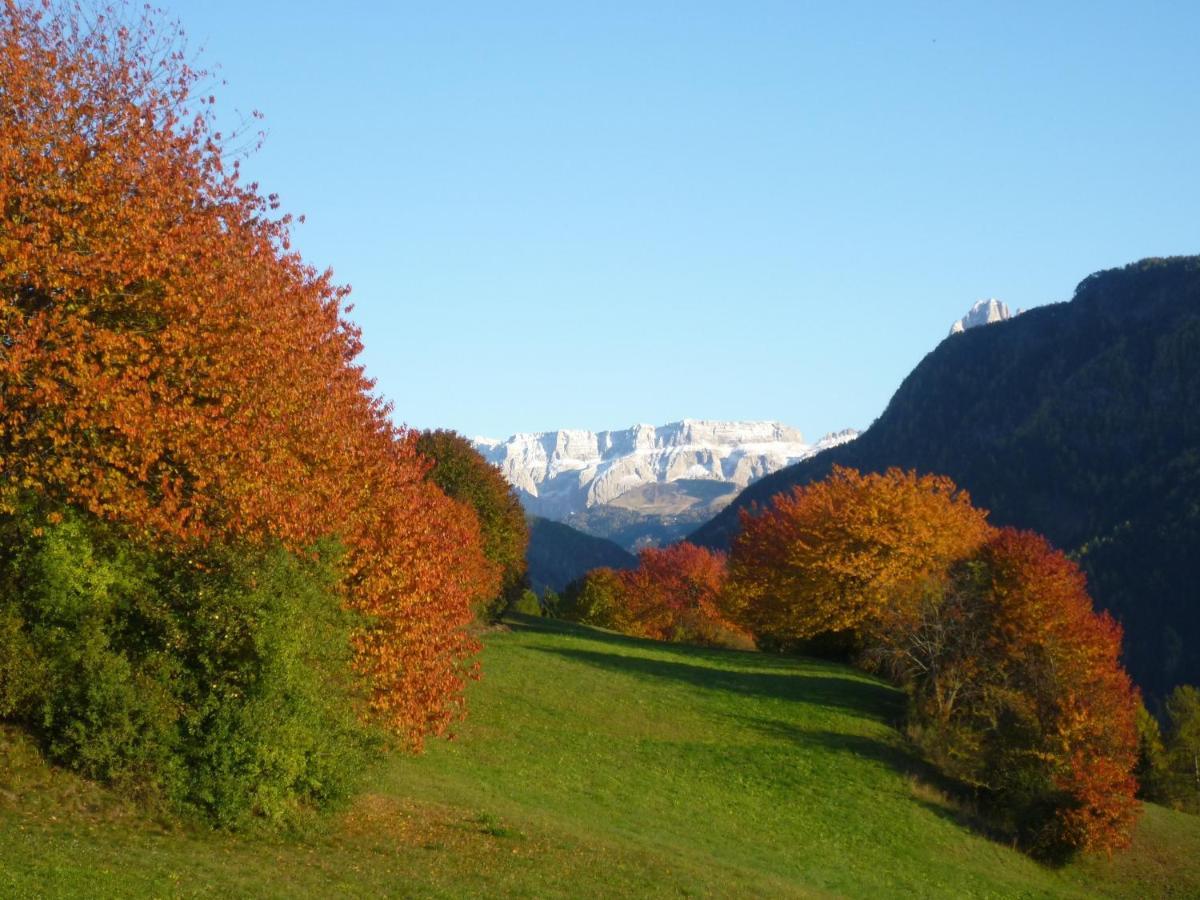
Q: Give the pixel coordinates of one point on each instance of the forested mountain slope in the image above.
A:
(558, 554)
(1080, 420)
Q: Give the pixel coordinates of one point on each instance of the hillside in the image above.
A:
(558, 554)
(595, 765)
(1077, 420)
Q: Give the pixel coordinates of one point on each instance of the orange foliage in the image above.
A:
(1046, 643)
(168, 363)
(829, 555)
(462, 473)
(1015, 681)
(673, 596)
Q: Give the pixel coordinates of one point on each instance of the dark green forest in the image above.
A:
(558, 554)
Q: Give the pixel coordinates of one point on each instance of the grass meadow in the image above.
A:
(594, 765)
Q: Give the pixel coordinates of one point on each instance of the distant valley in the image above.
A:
(652, 485)
(646, 485)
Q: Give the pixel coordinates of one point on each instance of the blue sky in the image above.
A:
(591, 215)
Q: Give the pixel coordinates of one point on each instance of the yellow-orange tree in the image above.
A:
(1015, 682)
(830, 555)
(169, 364)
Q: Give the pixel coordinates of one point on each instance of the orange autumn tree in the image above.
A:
(168, 364)
(1016, 689)
(1015, 683)
(462, 473)
(673, 595)
(828, 556)
(1051, 723)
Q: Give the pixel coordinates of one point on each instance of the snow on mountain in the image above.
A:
(984, 312)
(558, 473)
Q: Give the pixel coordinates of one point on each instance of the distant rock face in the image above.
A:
(558, 473)
(984, 312)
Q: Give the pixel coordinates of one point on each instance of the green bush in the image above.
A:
(216, 681)
(1151, 770)
(592, 599)
(527, 604)
(20, 668)
(1181, 759)
(82, 670)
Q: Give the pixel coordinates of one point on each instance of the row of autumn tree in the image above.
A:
(226, 578)
(1014, 681)
(225, 575)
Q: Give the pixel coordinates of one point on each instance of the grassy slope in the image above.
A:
(594, 765)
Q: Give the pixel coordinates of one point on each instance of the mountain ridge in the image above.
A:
(564, 472)
(559, 554)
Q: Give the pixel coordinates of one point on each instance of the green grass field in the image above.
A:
(596, 765)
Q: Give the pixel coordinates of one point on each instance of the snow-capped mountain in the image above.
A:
(558, 473)
(984, 312)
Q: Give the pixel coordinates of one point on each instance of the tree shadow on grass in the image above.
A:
(893, 753)
(790, 678)
(719, 656)
(546, 625)
(870, 699)
(930, 789)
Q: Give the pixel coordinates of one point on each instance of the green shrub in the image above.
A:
(592, 599)
(1151, 771)
(1181, 763)
(20, 668)
(85, 676)
(527, 604)
(216, 681)
(272, 721)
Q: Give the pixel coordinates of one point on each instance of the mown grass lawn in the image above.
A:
(596, 765)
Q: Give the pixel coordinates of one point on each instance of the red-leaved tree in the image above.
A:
(1053, 701)
(1015, 681)
(672, 595)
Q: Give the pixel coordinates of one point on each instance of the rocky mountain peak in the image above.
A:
(983, 312)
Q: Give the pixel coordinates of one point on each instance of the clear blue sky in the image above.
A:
(590, 215)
